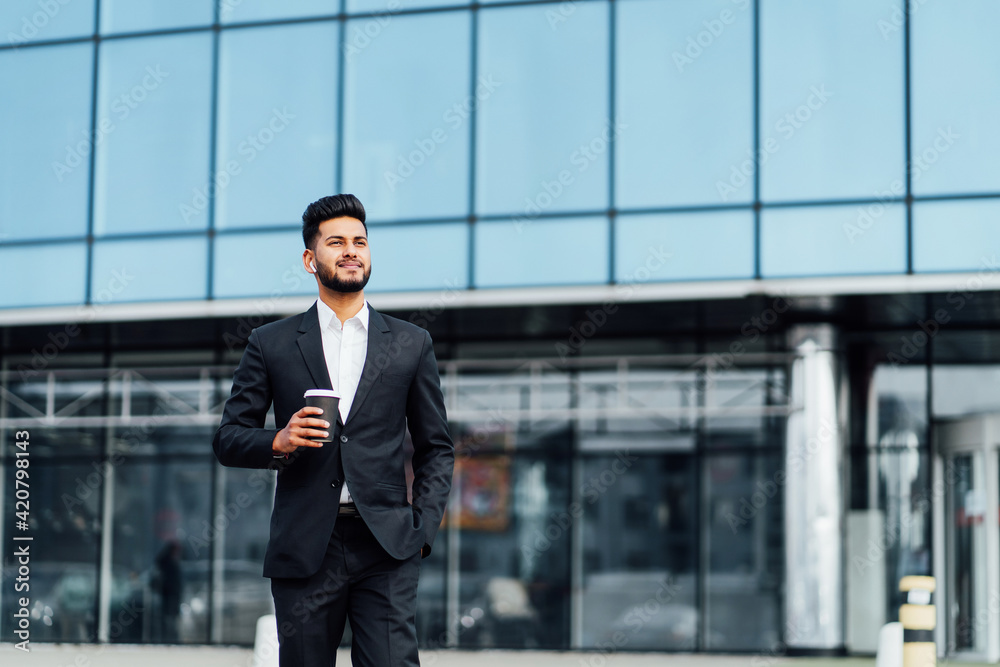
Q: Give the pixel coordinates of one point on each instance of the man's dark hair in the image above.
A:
(327, 208)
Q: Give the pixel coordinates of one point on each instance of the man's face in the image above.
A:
(343, 260)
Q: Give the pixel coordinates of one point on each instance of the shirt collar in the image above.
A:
(327, 316)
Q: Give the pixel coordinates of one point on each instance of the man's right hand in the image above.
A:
(299, 429)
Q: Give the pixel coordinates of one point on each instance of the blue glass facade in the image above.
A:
(156, 152)
(750, 139)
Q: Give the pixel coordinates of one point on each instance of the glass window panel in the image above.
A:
(237, 11)
(26, 21)
(640, 546)
(831, 99)
(152, 165)
(62, 282)
(544, 252)
(386, 8)
(955, 135)
(407, 115)
(276, 261)
(744, 578)
(686, 109)
(689, 246)
(246, 595)
(895, 497)
(956, 235)
(65, 524)
(160, 573)
(138, 15)
(542, 126)
(277, 142)
(514, 556)
(835, 240)
(45, 141)
(150, 270)
(961, 390)
(399, 257)
(900, 418)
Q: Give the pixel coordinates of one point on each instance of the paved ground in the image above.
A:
(53, 655)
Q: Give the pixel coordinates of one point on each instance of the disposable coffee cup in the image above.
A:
(329, 402)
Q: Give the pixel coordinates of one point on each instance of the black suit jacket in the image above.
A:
(399, 388)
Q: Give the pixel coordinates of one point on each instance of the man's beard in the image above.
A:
(333, 282)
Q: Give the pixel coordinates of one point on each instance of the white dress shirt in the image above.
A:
(345, 347)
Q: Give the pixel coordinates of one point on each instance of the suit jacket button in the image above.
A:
(343, 438)
(335, 483)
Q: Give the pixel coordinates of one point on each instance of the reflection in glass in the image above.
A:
(161, 571)
(245, 593)
(407, 114)
(831, 100)
(543, 128)
(152, 167)
(835, 240)
(277, 144)
(961, 390)
(963, 616)
(640, 547)
(45, 141)
(901, 404)
(671, 104)
(744, 578)
(514, 556)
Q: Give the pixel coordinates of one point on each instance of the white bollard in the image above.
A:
(265, 643)
(890, 646)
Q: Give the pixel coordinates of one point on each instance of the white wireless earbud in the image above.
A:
(313, 265)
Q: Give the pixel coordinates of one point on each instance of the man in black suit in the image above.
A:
(345, 541)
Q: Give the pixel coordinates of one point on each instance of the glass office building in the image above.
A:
(714, 287)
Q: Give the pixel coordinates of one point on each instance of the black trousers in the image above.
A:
(358, 581)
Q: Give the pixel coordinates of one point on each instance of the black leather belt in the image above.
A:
(348, 509)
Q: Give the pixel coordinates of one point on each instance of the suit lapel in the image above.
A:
(311, 346)
(379, 340)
